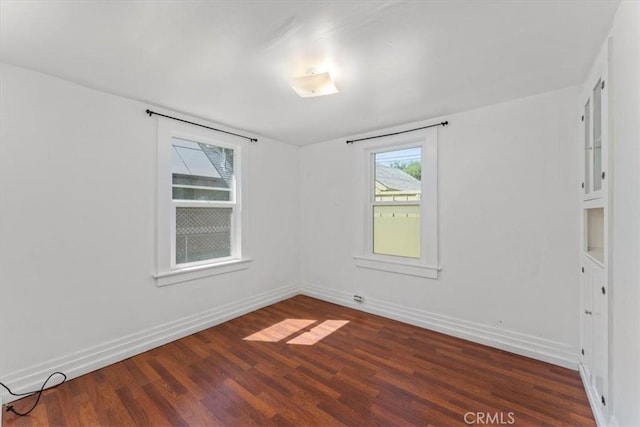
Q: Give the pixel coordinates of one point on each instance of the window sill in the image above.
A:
(193, 273)
(397, 267)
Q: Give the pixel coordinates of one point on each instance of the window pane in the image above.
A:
(196, 164)
(396, 230)
(202, 234)
(398, 174)
(181, 193)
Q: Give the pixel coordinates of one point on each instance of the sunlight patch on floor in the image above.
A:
(279, 331)
(321, 331)
(288, 327)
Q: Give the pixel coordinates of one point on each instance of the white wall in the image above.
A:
(77, 227)
(624, 76)
(508, 230)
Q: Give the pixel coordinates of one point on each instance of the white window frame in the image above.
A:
(428, 264)
(167, 271)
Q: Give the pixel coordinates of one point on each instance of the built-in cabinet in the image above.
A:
(594, 214)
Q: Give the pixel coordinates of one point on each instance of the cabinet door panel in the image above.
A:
(600, 343)
(586, 295)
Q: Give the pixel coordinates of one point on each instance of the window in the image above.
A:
(395, 204)
(199, 216)
(400, 199)
(203, 201)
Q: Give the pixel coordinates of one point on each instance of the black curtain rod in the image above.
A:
(351, 141)
(150, 113)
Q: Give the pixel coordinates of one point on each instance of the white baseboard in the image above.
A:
(594, 400)
(526, 345)
(84, 361)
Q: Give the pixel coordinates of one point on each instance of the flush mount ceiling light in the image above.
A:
(316, 84)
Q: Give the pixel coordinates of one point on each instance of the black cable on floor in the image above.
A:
(31, 393)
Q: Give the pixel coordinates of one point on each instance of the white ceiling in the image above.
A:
(229, 62)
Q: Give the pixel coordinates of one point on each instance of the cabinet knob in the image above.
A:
(588, 312)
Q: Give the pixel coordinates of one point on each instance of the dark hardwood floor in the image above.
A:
(370, 371)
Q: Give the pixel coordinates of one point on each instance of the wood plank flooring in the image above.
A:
(370, 371)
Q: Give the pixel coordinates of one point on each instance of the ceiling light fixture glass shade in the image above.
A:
(314, 85)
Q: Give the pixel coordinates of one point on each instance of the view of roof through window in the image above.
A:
(189, 159)
(201, 171)
(399, 170)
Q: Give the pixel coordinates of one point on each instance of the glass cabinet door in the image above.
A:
(595, 146)
(587, 147)
(597, 136)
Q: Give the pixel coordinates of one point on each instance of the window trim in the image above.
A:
(428, 263)
(198, 272)
(167, 271)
